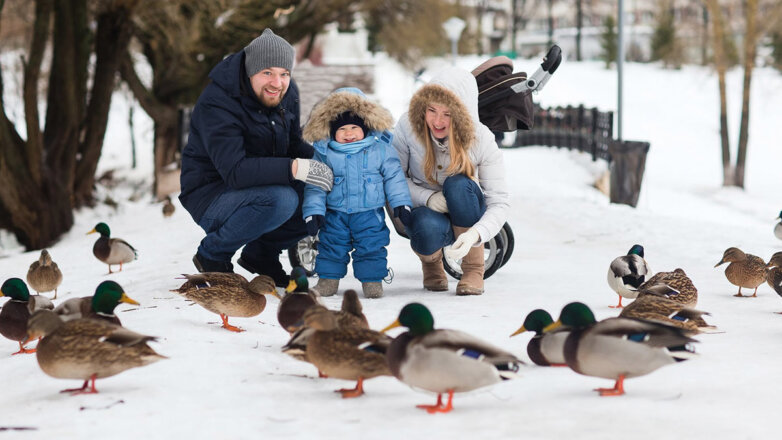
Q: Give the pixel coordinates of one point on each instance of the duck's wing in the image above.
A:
(644, 332)
(465, 344)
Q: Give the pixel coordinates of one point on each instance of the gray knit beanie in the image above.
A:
(268, 50)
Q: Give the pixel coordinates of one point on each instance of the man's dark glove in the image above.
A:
(314, 222)
(315, 173)
(404, 214)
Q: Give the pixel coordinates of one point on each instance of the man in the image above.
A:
(245, 163)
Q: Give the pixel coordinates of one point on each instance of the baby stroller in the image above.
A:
(504, 105)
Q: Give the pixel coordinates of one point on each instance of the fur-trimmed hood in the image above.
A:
(456, 89)
(375, 117)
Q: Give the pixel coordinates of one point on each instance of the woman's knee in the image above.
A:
(458, 183)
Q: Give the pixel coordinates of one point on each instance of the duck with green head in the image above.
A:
(778, 227)
(108, 295)
(618, 348)
(298, 298)
(16, 312)
(544, 349)
(627, 272)
(87, 349)
(111, 250)
(444, 361)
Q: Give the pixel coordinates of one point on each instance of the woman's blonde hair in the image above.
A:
(460, 160)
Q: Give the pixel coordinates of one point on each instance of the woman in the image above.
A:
(456, 177)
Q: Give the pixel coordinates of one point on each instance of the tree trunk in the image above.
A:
(112, 36)
(750, 45)
(720, 64)
(38, 176)
(579, 25)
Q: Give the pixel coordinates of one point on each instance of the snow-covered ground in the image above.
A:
(218, 384)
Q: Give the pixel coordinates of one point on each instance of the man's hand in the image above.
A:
(437, 202)
(462, 245)
(314, 222)
(404, 214)
(313, 172)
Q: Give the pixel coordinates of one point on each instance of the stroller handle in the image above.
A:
(552, 59)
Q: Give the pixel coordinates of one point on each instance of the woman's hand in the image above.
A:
(462, 245)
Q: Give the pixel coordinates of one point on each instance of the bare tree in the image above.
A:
(756, 26)
(44, 176)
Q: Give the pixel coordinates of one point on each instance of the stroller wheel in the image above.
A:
(303, 254)
(509, 241)
(493, 252)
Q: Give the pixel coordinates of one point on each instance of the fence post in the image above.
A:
(628, 160)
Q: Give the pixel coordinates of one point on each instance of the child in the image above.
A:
(349, 134)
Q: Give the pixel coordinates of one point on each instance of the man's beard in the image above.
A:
(273, 102)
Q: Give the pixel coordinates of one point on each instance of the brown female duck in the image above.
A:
(744, 270)
(87, 349)
(228, 295)
(44, 275)
(774, 276)
(349, 353)
(676, 286)
(660, 309)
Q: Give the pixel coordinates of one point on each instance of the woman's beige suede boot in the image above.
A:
(473, 266)
(434, 274)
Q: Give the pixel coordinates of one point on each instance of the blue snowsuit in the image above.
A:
(366, 173)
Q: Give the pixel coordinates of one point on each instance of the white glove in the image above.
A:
(315, 173)
(437, 202)
(462, 245)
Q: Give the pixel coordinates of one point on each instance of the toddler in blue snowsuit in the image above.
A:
(350, 134)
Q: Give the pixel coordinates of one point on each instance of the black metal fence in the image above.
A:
(576, 128)
(591, 131)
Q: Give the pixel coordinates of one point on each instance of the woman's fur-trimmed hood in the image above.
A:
(456, 89)
(351, 99)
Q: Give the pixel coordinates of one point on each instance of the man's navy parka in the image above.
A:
(235, 141)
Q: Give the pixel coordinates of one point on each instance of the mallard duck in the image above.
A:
(544, 349)
(108, 295)
(16, 312)
(298, 298)
(231, 297)
(778, 227)
(444, 361)
(618, 348)
(744, 270)
(349, 353)
(112, 250)
(676, 286)
(168, 207)
(44, 275)
(650, 307)
(774, 276)
(350, 315)
(87, 349)
(628, 272)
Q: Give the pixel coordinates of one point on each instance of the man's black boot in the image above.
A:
(204, 264)
(270, 267)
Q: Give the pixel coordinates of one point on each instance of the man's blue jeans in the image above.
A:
(430, 230)
(266, 219)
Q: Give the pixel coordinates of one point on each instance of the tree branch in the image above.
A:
(146, 99)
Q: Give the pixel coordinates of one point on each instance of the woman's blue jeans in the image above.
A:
(265, 218)
(430, 230)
